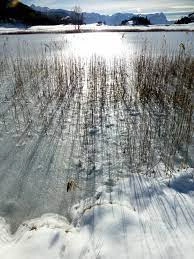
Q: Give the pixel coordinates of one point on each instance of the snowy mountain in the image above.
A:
(157, 18)
(115, 19)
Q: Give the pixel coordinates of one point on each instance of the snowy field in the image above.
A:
(96, 145)
(146, 218)
(9, 29)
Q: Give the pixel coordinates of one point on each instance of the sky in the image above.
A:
(112, 6)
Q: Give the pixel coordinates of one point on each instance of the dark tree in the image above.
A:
(140, 20)
(124, 22)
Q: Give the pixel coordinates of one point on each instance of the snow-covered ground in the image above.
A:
(94, 27)
(134, 217)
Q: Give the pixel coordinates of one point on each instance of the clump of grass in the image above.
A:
(165, 86)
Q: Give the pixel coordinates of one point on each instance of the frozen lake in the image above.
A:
(46, 141)
(106, 44)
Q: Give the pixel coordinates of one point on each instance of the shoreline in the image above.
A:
(88, 30)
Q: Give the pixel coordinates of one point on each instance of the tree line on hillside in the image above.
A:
(186, 19)
(137, 20)
(15, 11)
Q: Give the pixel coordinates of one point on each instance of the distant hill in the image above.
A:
(191, 16)
(15, 11)
(136, 20)
(186, 19)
